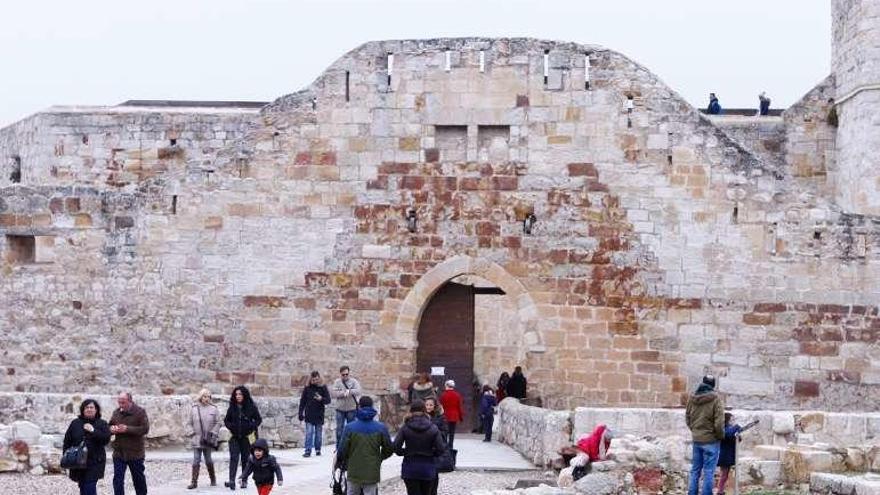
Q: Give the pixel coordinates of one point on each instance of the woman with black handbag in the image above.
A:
(204, 422)
(92, 433)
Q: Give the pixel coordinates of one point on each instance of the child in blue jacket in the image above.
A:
(487, 411)
(727, 458)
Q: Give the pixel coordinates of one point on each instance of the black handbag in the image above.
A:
(76, 457)
(446, 462)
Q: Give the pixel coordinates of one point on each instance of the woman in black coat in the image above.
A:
(88, 427)
(242, 420)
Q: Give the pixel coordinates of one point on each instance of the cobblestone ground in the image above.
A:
(463, 482)
(158, 473)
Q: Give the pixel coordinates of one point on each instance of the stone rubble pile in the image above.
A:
(24, 448)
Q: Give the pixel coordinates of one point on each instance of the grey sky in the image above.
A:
(101, 52)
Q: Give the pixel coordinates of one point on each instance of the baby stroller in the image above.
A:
(338, 479)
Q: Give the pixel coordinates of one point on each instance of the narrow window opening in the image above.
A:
(669, 147)
(546, 66)
(587, 72)
(314, 103)
(630, 105)
(448, 66)
(173, 141)
(85, 139)
(669, 159)
(817, 236)
(174, 205)
(482, 61)
(15, 174)
(735, 214)
(347, 82)
(390, 68)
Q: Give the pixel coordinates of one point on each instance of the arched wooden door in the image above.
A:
(446, 340)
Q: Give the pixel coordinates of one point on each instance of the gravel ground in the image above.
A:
(158, 472)
(463, 482)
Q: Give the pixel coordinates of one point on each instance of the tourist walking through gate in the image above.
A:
(92, 432)
(243, 422)
(517, 386)
(705, 418)
(365, 444)
(204, 423)
(487, 412)
(347, 391)
(263, 467)
(312, 404)
(130, 424)
(420, 443)
(453, 409)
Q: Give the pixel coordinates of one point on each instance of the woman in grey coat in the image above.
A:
(204, 423)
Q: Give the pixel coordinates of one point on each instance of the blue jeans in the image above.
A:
(705, 460)
(488, 421)
(342, 419)
(313, 437)
(88, 487)
(137, 476)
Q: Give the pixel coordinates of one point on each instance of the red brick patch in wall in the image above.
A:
(648, 480)
(583, 170)
(806, 389)
(264, 301)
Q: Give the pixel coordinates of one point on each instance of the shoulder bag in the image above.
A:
(209, 441)
(76, 457)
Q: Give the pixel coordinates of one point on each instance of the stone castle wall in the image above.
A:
(855, 61)
(663, 249)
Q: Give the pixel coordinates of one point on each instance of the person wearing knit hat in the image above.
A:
(705, 418)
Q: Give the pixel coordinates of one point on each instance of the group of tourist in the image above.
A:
(426, 439)
(714, 107)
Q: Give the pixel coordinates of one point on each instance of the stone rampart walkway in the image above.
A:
(311, 476)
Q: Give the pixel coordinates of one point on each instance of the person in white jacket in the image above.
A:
(346, 390)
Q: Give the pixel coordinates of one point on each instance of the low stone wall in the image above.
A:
(534, 432)
(775, 427)
(168, 415)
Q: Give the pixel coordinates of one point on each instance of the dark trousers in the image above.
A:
(239, 449)
(435, 485)
(136, 466)
(88, 487)
(418, 487)
(488, 421)
(451, 434)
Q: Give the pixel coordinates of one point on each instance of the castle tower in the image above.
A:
(855, 62)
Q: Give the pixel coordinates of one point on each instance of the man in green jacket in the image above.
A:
(705, 419)
(365, 444)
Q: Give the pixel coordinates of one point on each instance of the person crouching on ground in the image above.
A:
(597, 444)
(487, 412)
(263, 467)
(727, 459)
(420, 443)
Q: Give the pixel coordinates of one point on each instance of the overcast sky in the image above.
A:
(99, 52)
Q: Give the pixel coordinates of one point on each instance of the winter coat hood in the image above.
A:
(261, 444)
(419, 422)
(366, 414)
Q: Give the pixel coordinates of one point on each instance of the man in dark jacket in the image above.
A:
(314, 399)
(705, 418)
(714, 105)
(420, 443)
(263, 466)
(517, 384)
(130, 425)
(365, 444)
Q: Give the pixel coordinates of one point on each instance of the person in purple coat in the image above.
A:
(487, 411)
(727, 458)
